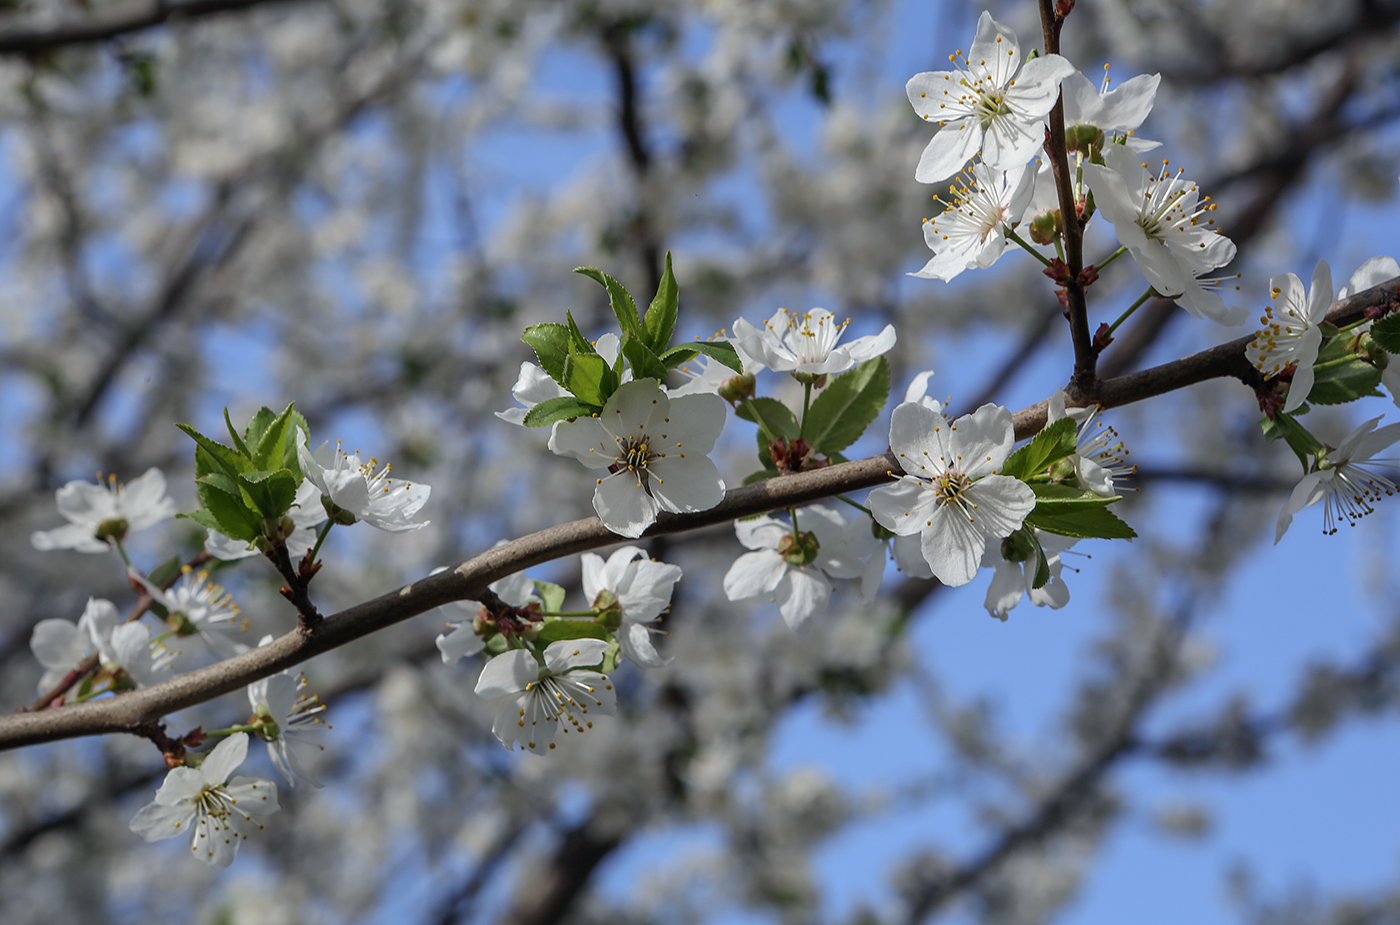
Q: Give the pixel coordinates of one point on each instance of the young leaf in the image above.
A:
(1386, 333)
(551, 345)
(271, 444)
(228, 461)
(1085, 522)
(563, 408)
(620, 299)
(723, 351)
(645, 364)
(585, 375)
(775, 416)
(578, 344)
(555, 630)
(238, 444)
(1046, 448)
(551, 595)
(1042, 564)
(272, 492)
(228, 513)
(659, 323)
(1302, 443)
(846, 407)
(1344, 382)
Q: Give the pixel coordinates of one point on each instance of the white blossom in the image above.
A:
(363, 489)
(808, 343)
(287, 721)
(1291, 332)
(462, 640)
(1343, 479)
(531, 699)
(642, 590)
(1373, 272)
(989, 102)
(654, 448)
(951, 496)
(217, 813)
(1011, 580)
(1166, 224)
(99, 514)
(971, 232)
(1120, 110)
(1099, 455)
(197, 605)
(797, 573)
(60, 646)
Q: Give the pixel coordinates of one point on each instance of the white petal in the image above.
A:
(623, 505)
(459, 643)
(635, 640)
(567, 654)
(225, 758)
(507, 673)
(754, 573)
(803, 593)
(155, 821)
(686, 485)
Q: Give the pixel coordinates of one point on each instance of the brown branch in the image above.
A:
(468, 581)
(38, 41)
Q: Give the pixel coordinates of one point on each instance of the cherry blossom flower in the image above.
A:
(795, 566)
(60, 646)
(971, 232)
(99, 515)
(1121, 109)
(807, 343)
(369, 495)
(654, 448)
(989, 102)
(197, 606)
(1013, 579)
(215, 811)
(951, 495)
(641, 588)
(1343, 479)
(1373, 272)
(531, 699)
(1165, 223)
(1291, 334)
(1098, 453)
(287, 720)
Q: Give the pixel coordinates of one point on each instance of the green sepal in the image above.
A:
(624, 308)
(550, 341)
(645, 364)
(588, 376)
(846, 407)
(271, 491)
(222, 498)
(165, 573)
(578, 344)
(720, 350)
(551, 595)
(218, 457)
(1386, 333)
(659, 323)
(1285, 426)
(563, 408)
(1344, 382)
(1054, 443)
(555, 630)
(496, 645)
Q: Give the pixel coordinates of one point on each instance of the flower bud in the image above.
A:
(738, 388)
(816, 380)
(1083, 137)
(1046, 226)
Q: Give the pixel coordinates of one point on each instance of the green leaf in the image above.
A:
(1302, 443)
(1042, 564)
(1086, 522)
(239, 444)
(761, 475)
(272, 443)
(563, 408)
(645, 364)
(777, 417)
(1054, 443)
(221, 498)
(272, 492)
(624, 309)
(585, 376)
(723, 351)
(1068, 497)
(1344, 382)
(165, 573)
(846, 407)
(1386, 333)
(555, 630)
(659, 323)
(219, 457)
(578, 344)
(551, 345)
(551, 595)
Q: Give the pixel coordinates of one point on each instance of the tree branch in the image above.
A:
(38, 41)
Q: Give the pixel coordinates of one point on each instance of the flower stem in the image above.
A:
(1132, 308)
(806, 406)
(1110, 258)
(565, 614)
(232, 730)
(121, 551)
(1027, 246)
(855, 504)
(321, 538)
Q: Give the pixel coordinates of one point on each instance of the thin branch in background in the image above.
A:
(32, 42)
